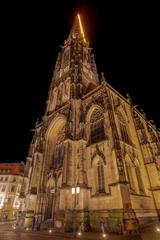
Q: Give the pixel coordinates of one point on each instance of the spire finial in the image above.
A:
(81, 27)
(77, 28)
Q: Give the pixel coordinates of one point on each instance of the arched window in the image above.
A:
(124, 133)
(100, 175)
(139, 180)
(97, 126)
(59, 150)
(123, 128)
(58, 156)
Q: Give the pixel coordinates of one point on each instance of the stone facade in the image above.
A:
(93, 138)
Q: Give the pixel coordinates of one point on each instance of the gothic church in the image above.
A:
(94, 157)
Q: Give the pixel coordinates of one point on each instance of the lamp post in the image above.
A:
(54, 192)
(75, 192)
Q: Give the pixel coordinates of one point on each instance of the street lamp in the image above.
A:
(104, 235)
(53, 192)
(158, 229)
(75, 192)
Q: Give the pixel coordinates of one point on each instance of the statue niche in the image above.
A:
(53, 99)
(66, 90)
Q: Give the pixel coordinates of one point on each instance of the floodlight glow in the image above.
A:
(81, 28)
(77, 189)
(104, 235)
(73, 190)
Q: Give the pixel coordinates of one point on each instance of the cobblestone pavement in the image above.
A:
(8, 233)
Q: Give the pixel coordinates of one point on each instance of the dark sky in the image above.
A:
(125, 41)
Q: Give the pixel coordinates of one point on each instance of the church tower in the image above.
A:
(92, 158)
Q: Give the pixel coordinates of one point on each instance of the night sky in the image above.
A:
(125, 41)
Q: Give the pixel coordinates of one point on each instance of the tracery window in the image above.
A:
(123, 128)
(100, 175)
(58, 156)
(124, 133)
(97, 126)
(59, 150)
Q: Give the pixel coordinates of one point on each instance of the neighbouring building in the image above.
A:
(11, 185)
(92, 138)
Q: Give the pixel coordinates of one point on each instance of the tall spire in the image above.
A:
(77, 29)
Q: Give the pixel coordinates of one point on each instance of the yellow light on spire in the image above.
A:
(81, 28)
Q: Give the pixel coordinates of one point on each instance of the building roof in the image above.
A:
(12, 168)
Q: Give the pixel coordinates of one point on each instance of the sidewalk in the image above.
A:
(151, 232)
(148, 233)
(86, 236)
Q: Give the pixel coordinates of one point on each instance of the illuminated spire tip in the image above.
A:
(81, 27)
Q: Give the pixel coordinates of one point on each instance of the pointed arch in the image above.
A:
(99, 175)
(91, 110)
(54, 138)
(100, 154)
(54, 126)
(95, 120)
(124, 131)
